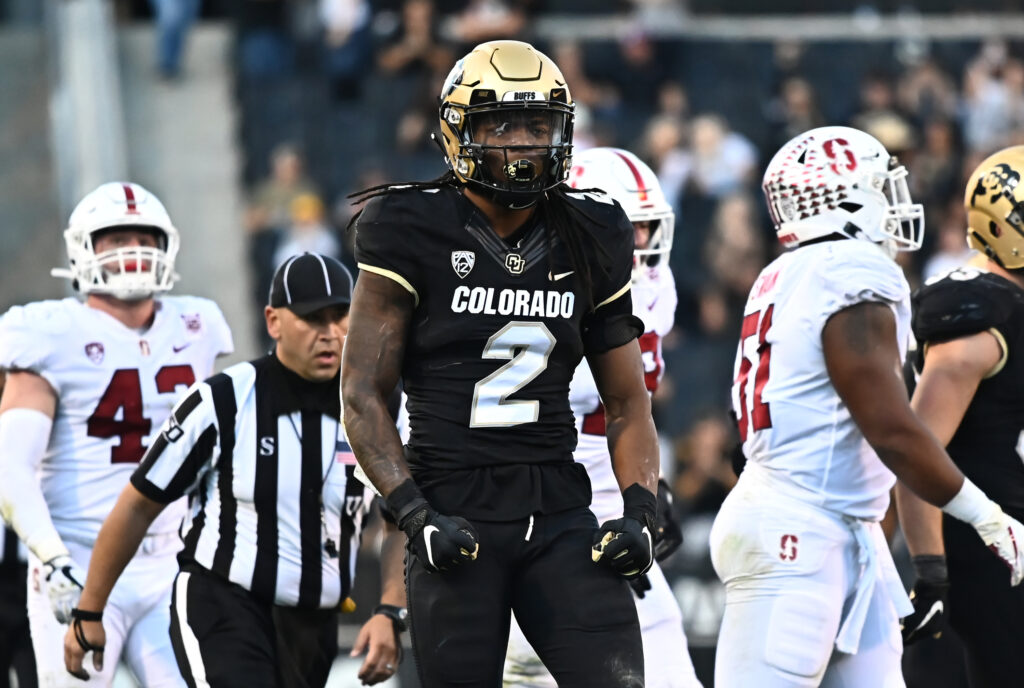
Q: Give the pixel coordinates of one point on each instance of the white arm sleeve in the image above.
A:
(24, 434)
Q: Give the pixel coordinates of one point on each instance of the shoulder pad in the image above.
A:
(402, 202)
(959, 303)
(41, 317)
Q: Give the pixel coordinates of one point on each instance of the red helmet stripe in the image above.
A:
(129, 196)
(640, 183)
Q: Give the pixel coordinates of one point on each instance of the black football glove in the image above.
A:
(439, 542)
(641, 584)
(667, 533)
(930, 597)
(626, 544)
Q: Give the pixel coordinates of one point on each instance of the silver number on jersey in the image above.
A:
(528, 345)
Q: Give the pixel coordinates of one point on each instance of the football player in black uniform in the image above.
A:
(969, 326)
(482, 290)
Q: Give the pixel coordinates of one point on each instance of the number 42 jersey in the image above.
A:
(498, 328)
(791, 419)
(115, 387)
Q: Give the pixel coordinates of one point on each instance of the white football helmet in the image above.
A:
(838, 180)
(629, 180)
(129, 272)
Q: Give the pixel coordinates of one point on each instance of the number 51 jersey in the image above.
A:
(790, 418)
(498, 328)
(115, 387)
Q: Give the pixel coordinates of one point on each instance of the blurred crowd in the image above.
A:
(339, 95)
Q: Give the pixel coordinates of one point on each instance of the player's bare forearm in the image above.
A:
(632, 437)
(392, 566)
(371, 365)
(862, 358)
(952, 372)
(920, 522)
(118, 539)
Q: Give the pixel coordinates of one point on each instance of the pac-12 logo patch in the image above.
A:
(463, 262)
(94, 350)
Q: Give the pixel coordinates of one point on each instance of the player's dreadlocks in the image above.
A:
(562, 221)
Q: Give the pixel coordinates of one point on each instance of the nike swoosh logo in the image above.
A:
(182, 347)
(555, 278)
(427, 532)
(937, 608)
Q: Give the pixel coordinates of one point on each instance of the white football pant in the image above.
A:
(666, 657)
(137, 620)
(791, 574)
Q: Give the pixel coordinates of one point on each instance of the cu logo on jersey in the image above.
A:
(515, 264)
(787, 547)
(463, 262)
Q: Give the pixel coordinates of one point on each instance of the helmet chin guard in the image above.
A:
(130, 273)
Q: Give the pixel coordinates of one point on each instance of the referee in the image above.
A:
(277, 515)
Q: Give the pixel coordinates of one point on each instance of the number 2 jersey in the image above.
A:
(654, 302)
(790, 417)
(497, 331)
(115, 387)
(988, 446)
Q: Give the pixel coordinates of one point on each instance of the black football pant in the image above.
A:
(225, 638)
(15, 642)
(579, 616)
(986, 612)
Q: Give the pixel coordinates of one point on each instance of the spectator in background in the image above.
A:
(793, 110)
(703, 471)
(485, 20)
(951, 251)
(173, 19)
(926, 92)
(721, 161)
(662, 147)
(307, 232)
(879, 112)
(269, 214)
(265, 47)
(348, 45)
(415, 47)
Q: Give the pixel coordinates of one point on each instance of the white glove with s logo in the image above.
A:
(64, 582)
(1003, 534)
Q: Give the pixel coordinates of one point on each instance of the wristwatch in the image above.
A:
(399, 615)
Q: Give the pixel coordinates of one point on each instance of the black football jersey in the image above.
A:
(989, 444)
(498, 329)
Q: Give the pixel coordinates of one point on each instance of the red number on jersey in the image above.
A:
(758, 411)
(593, 422)
(124, 393)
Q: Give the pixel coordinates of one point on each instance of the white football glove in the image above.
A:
(1004, 535)
(64, 582)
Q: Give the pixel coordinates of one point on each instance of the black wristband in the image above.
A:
(639, 503)
(405, 499)
(930, 567)
(398, 615)
(85, 615)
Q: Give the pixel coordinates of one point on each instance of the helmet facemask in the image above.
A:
(130, 273)
(516, 174)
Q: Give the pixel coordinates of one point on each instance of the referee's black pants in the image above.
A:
(225, 638)
(580, 617)
(986, 612)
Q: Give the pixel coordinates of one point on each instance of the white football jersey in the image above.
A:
(791, 419)
(654, 302)
(115, 387)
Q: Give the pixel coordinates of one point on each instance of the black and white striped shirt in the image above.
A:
(256, 450)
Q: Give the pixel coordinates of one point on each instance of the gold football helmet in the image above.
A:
(995, 208)
(506, 122)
